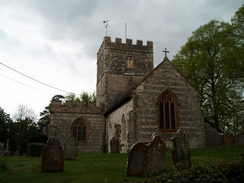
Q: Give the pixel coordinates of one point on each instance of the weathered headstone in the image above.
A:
(155, 156)
(1, 149)
(181, 152)
(114, 145)
(146, 159)
(7, 152)
(228, 138)
(52, 156)
(136, 160)
(70, 148)
(241, 139)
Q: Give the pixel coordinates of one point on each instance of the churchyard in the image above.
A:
(100, 167)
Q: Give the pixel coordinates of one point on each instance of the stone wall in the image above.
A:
(120, 66)
(62, 117)
(145, 96)
(121, 117)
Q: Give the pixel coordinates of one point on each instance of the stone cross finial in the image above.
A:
(165, 51)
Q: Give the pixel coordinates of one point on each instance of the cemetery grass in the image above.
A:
(98, 167)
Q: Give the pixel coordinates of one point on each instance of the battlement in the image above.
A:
(128, 45)
(58, 106)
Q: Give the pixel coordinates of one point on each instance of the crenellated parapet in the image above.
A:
(128, 45)
(58, 106)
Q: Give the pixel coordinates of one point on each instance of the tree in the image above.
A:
(23, 128)
(212, 60)
(5, 122)
(23, 112)
(45, 119)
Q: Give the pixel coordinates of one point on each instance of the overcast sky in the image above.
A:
(56, 41)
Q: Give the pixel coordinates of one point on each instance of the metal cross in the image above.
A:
(165, 51)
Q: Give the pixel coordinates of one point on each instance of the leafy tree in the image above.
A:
(5, 122)
(22, 129)
(212, 60)
(45, 119)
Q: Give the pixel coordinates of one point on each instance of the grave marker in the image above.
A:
(114, 145)
(52, 156)
(181, 152)
(70, 148)
(136, 160)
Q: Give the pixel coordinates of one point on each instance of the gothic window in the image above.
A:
(168, 112)
(79, 130)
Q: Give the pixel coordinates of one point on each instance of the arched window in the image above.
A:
(168, 112)
(79, 130)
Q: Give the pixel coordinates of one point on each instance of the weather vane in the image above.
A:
(105, 22)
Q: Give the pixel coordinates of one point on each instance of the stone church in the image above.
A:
(133, 101)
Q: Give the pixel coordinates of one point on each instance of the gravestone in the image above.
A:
(136, 160)
(146, 158)
(70, 148)
(181, 152)
(241, 139)
(155, 156)
(1, 149)
(52, 156)
(114, 145)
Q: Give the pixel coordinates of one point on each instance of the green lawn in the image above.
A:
(98, 167)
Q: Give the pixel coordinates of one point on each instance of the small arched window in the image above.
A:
(168, 112)
(79, 130)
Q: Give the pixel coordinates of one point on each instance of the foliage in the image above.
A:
(118, 130)
(22, 129)
(5, 122)
(84, 97)
(44, 119)
(212, 60)
(23, 113)
(224, 172)
(35, 149)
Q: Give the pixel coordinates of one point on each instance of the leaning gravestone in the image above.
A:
(70, 148)
(136, 160)
(155, 156)
(181, 152)
(1, 149)
(114, 145)
(52, 156)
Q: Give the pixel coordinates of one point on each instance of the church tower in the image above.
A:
(120, 66)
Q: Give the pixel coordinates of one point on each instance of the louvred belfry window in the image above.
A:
(79, 130)
(168, 112)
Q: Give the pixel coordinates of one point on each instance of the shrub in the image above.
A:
(35, 149)
(227, 172)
